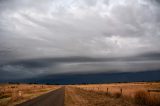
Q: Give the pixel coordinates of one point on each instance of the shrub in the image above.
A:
(141, 97)
(117, 95)
(153, 100)
(4, 95)
(144, 98)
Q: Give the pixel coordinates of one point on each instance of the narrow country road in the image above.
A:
(54, 98)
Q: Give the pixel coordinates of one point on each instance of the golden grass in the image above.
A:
(145, 98)
(128, 89)
(136, 93)
(72, 98)
(115, 94)
(81, 97)
(11, 94)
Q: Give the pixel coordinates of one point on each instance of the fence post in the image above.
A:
(148, 92)
(121, 91)
(20, 93)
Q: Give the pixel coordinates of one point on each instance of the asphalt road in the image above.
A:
(53, 98)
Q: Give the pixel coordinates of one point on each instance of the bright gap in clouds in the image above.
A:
(117, 30)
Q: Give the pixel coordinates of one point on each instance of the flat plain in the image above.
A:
(113, 94)
(12, 94)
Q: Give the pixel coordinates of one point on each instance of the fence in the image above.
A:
(154, 90)
(99, 89)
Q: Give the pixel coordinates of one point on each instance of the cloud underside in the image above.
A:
(64, 65)
(59, 36)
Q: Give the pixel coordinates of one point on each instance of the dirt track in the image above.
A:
(54, 98)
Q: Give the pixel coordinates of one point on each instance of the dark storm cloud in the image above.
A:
(157, 1)
(81, 64)
(59, 36)
(45, 62)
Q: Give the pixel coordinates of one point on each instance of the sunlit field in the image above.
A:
(127, 89)
(113, 94)
(116, 94)
(12, 94)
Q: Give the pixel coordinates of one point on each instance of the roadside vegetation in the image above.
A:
(81, 97)
(12, 94)
(145, 98)
(117, 94)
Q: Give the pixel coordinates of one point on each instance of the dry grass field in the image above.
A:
(128, 89)
(79, 97)
(12, 94)
(115, 94)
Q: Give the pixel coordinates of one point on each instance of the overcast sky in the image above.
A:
(70, 36)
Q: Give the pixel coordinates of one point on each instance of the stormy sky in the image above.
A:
(78, 36)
